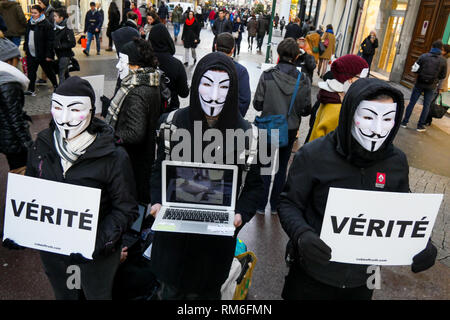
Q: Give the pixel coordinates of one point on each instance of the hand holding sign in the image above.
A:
(424, 259)
(313, 248)
(11, 245)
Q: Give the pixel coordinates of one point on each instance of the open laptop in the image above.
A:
(197, 198)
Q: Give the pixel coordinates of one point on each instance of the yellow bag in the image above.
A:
(244, 281)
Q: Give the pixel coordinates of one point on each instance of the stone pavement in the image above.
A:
(22, 277)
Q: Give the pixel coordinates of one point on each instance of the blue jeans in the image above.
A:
(89, 39)
(415, 95)
(15, 40)
(176, 28)
(280, 177)
(211, 22)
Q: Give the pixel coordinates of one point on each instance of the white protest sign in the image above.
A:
(98, 84)
(382, 228)
(51, 216)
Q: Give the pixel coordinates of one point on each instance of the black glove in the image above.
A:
(11, 244)
(107, 242)
(312, 248)
(424, 259)
(78, 258)
(105, 105)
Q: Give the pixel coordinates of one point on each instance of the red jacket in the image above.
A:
(212, 15)
(136, 10)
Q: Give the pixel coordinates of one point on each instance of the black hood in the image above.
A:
(228, 118)
(365, 89)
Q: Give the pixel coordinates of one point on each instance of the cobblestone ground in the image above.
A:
(22, 277)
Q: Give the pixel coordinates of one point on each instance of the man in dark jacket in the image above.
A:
(194, 266)
(163, 12)
(220, 25)
(15, 20)
(432, 69)
(64, 42)
(293, 30)
(48, 10)
(80, 149)
(92, 26)
(263, 28)
(225, 44)
(349, 157)
(368, 47)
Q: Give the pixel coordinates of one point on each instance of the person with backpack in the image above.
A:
(135, 108)
(194, 266)
(64, 42)
(431, 68)
(282, 90)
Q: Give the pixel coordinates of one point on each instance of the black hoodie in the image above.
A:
(201, 263)
(337, 160)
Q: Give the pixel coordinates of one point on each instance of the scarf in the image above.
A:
(142, 76)
(70, 150)
(436, 50)
(190, 22)
(40, 19)
(326, 97)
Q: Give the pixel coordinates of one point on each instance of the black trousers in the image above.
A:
(299, 285)
(97, 276)
(33, 65)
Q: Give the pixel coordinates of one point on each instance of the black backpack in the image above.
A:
(429, 69)
(165, 92)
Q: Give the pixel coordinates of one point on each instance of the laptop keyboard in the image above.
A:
(196, 215)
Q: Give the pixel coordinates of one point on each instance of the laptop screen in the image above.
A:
(195, 185)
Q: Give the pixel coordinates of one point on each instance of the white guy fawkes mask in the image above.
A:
(213, 90)
(123, 66)
(71, 114)
(372, 123)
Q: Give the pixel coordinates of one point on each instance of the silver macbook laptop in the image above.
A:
(197, 198)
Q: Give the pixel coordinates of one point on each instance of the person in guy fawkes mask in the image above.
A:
(79, 149)
(349, 157)
(193, 266)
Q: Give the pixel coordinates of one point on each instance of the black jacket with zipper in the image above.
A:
(64, 41)
(103, 166)
(44, 38)
(336, 160)
(197, 263)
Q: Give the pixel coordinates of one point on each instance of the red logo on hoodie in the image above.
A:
(381, 180)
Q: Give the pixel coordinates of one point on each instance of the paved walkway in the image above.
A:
(22, 277)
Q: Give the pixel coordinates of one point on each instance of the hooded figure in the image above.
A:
(80, 149)
(192, 265)
(342, 159)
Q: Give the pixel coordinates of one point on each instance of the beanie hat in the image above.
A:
(8, 50)
(347, 67)
(45, 2)
(225, 42)
(76, 87)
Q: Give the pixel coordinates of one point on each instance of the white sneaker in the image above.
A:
(262, 212)
(274, 212)
(30, 93)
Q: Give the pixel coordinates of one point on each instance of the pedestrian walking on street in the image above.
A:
(282, 24)
(329, 41)
(39, 48)
(15, 20)
(190, 37)
(15, 137)
(368, 46)
(252, 28)
(431, 68)
(294, 29)
(136, 10)
(163, 12)
(263, 28)
(113, 23)
(92, 27)
(220, 25)
(64, 42)
(238, 30)
(134, 110)
(348, 158)
(177, 15)
(276, 95)
(212, 17)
